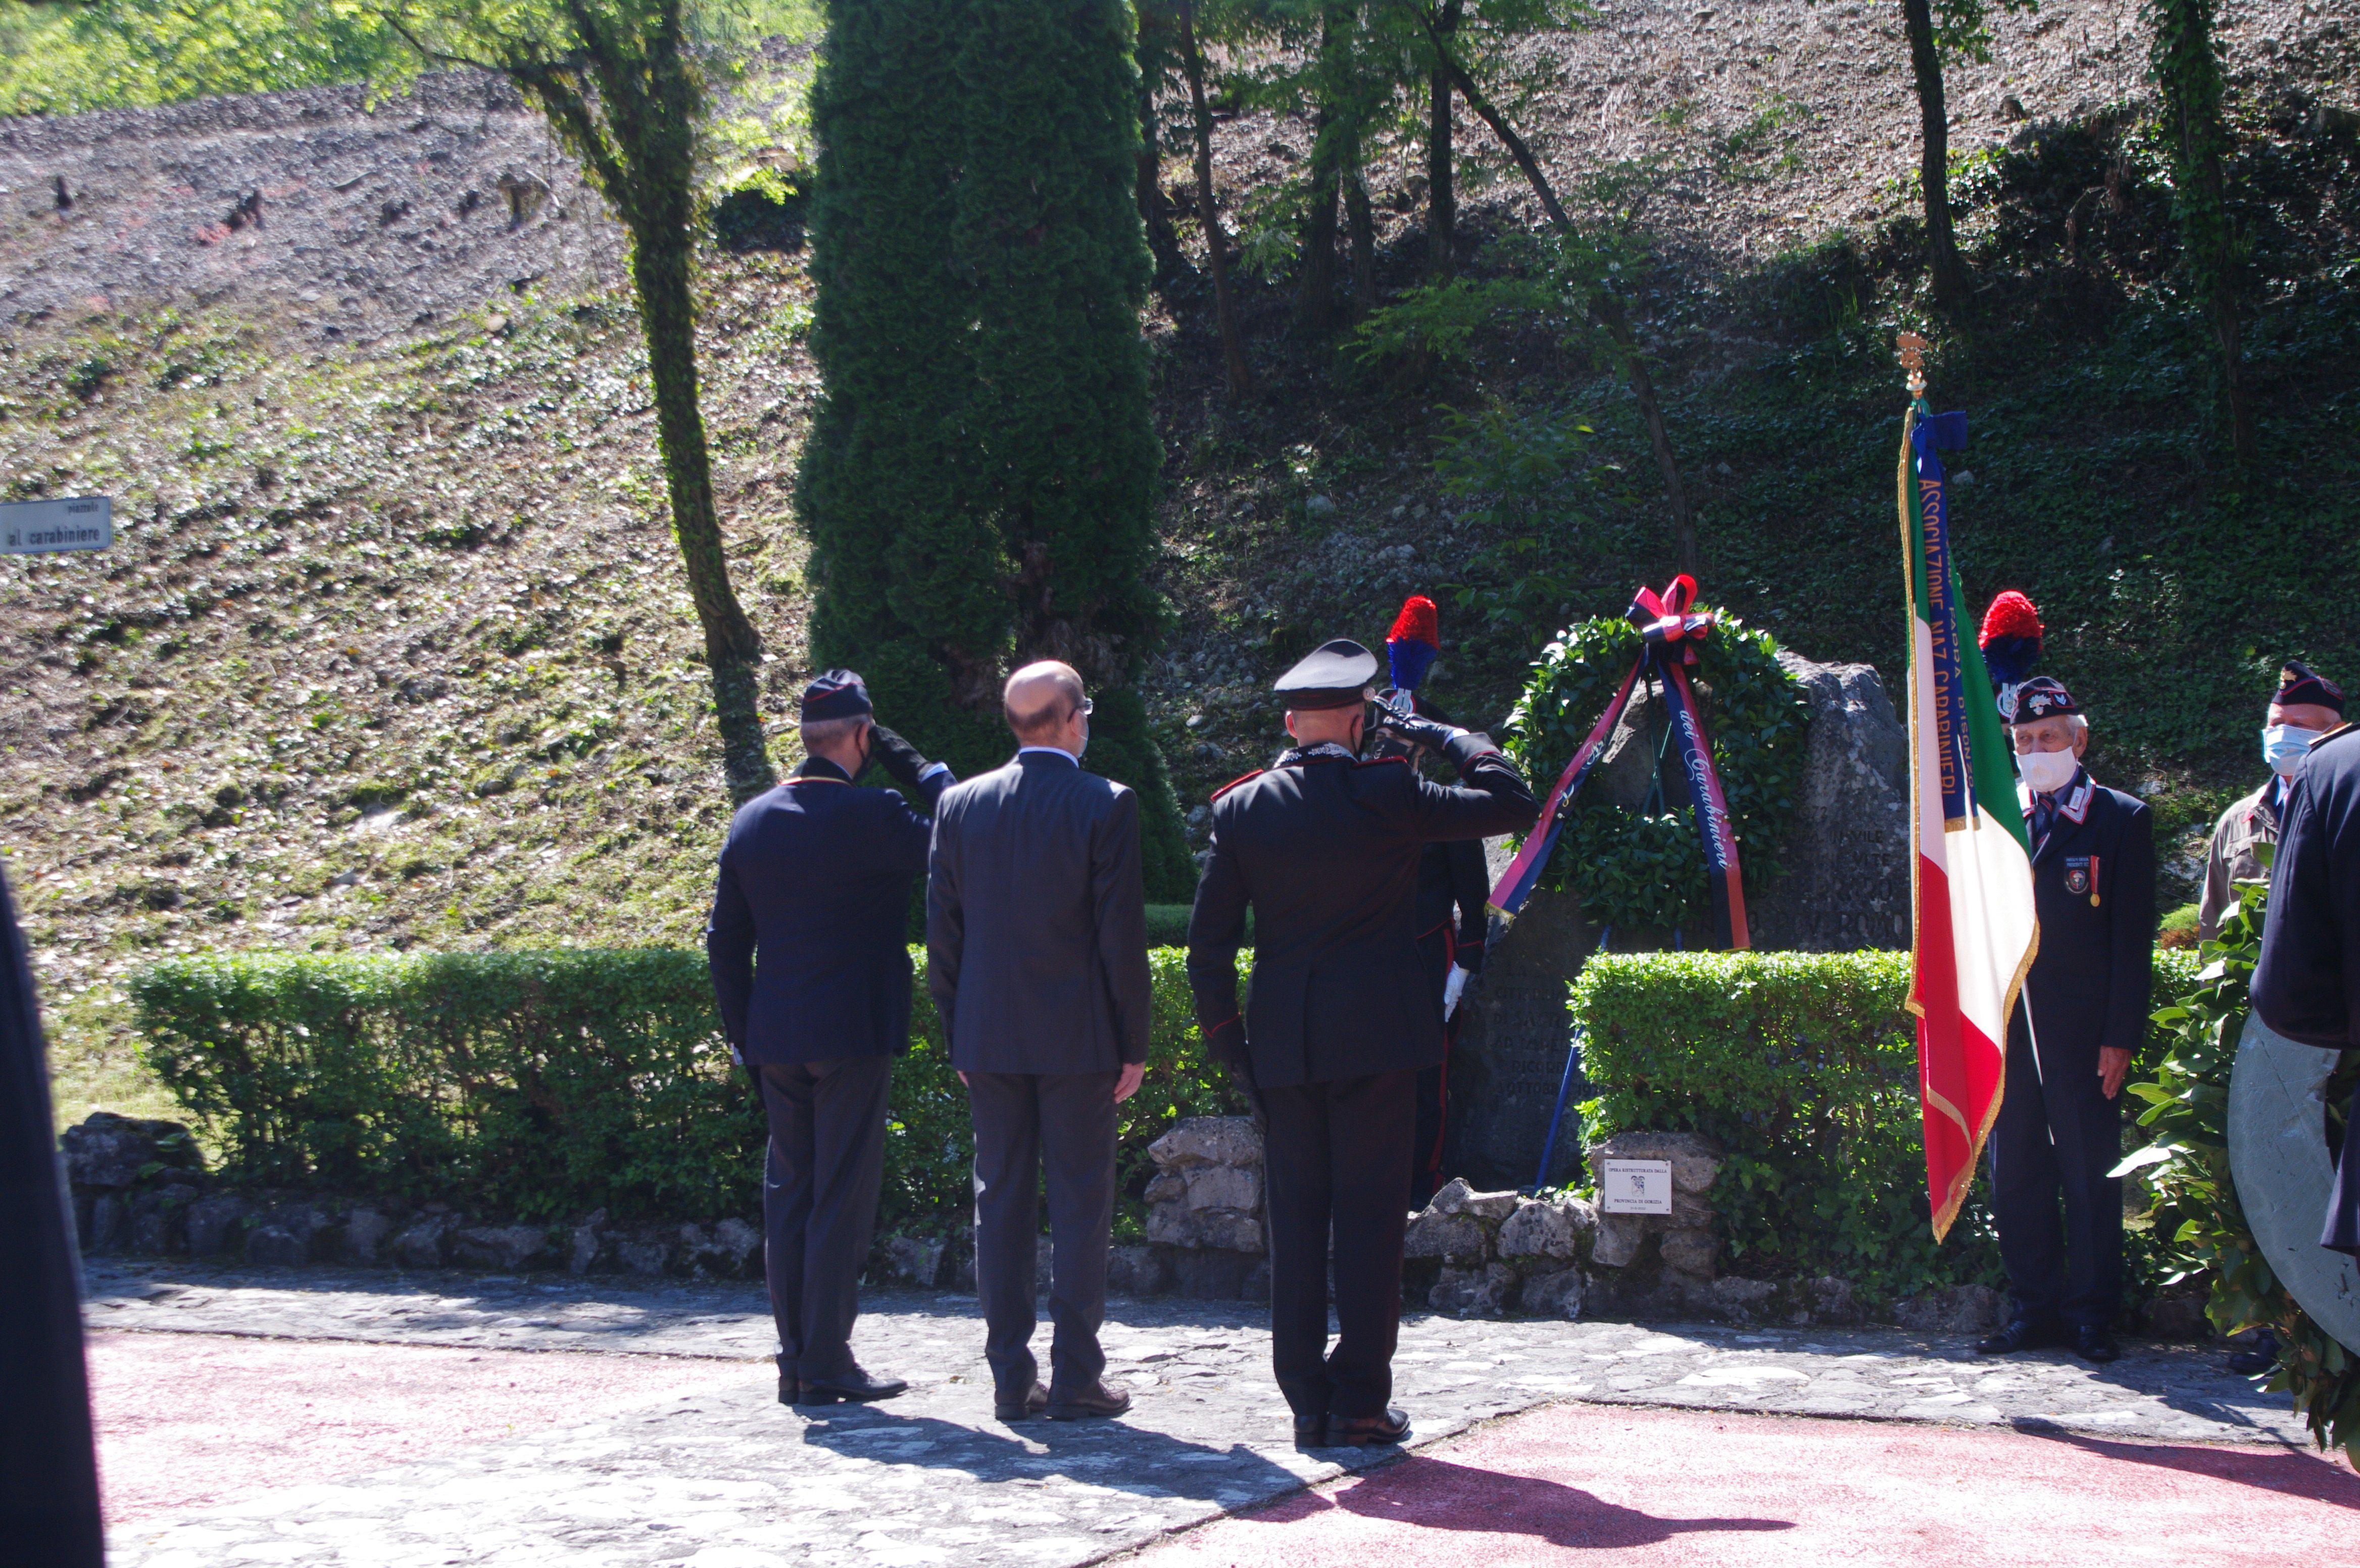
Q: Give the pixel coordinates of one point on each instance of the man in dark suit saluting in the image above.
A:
(1326, 849)
(1037, 944)
(816, 878)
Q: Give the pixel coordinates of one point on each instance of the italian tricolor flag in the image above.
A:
(1971, 879)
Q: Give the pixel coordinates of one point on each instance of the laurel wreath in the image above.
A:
(1634, 869)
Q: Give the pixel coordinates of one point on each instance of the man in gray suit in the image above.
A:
(1036, 942)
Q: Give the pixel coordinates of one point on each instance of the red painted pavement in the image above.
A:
(189, 1420)
(1596, 1485)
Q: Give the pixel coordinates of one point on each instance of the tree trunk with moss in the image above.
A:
(1234, 368)
(733, 650)
(1049, 240)
(1441, 175)
(1953, 288)
(1158, 44)
(1361, 229)
(2186, 63)
(623, 94)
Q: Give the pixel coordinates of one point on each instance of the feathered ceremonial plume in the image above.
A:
(1415, 642)
(2011, 643)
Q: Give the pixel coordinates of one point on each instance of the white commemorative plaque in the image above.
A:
(69, 522)
(1635, 1187)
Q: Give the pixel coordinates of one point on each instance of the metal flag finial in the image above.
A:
(1912, 350)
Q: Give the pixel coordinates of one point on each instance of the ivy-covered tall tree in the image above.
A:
(909, 572)
(1048, 235)
(979, 482)
(2186, 63)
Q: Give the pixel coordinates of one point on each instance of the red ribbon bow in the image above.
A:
(1671, 633)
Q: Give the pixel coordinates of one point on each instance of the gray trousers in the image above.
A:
(1026, 1124)
(819, 1202)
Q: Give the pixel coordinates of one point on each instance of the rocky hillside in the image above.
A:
(392, 648)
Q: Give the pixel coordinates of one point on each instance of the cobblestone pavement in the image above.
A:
(728, 1479)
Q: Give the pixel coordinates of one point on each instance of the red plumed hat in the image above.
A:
(2010, 639)
(1414, 642)
(1417, 623)
(2010, 615)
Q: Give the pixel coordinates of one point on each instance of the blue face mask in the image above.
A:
(2283, 746)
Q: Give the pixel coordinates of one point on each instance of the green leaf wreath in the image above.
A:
(1635, 869)
(2197, 1219)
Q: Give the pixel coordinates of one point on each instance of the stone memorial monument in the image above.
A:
(1844, 884)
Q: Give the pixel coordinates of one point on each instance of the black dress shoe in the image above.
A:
(1035, 1401)
(1360, 1432)
(1086, 1404)
(2094, 1343)
(1312, 1433)
(2020, 1335)
(790, 1389)
(853, 1387)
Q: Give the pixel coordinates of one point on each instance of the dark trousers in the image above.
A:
(819, 1202)
(1027, 1123)
(2057, 1137)
(1337, 1156)
(1432, 1097)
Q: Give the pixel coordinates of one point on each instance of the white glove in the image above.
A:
(1450, 990)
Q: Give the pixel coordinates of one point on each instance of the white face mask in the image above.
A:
(2283, 746)
(2046, 773)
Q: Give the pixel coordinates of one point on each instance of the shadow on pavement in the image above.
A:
(1109, 1453)
(2289, 1471)
(1435, 1493)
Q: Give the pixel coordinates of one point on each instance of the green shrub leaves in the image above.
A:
(1804, 1068)
(550, 1083)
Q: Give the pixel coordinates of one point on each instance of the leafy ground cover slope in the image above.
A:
(393, 649)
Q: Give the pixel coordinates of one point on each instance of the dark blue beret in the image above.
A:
(2297, 681)
(838, 694)
(2042, 696)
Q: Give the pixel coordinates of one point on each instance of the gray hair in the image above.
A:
(825, 733)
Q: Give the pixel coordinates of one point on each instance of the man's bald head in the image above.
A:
(1042, 700)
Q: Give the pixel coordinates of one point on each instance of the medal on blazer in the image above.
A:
(2081, 876)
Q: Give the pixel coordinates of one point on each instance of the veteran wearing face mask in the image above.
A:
(2305, 706)
(2070, 1040)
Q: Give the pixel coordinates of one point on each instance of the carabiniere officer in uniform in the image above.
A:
(1325, 847)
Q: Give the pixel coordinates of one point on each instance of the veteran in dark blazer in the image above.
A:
(811, 974)
(1326, 849)
(2070, 1040)
(1036, 945)
(2307, 986)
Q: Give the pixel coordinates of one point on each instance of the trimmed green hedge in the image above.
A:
(1804, 1068)
(550, 1083)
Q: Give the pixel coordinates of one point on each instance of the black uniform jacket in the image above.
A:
(816, 878)
(2308, 983)
(2307, 986)
(2093, 888)
(1454, 899)
(1036, 920)
(1326, 849)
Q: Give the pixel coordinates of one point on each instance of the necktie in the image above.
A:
(2043, 813)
